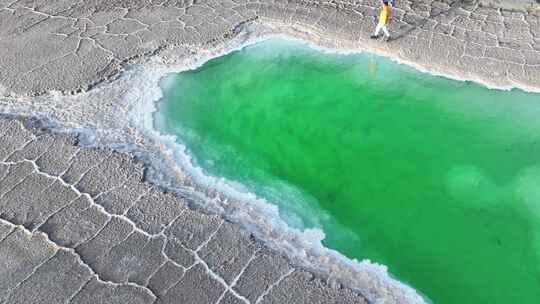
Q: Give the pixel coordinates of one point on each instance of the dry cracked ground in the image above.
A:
(72, 45)
(81, 225)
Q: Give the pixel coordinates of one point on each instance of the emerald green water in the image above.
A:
(437, 179)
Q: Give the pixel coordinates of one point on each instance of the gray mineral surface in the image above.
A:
(72, 45)
(82, 221)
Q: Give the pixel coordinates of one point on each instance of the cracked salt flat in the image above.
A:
(57, 291)
(195, 252)
(446, 34)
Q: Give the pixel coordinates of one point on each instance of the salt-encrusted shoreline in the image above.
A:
(134, 48)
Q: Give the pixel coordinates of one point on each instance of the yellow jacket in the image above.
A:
(383, 17)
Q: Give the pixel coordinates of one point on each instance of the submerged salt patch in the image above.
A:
(528, 189)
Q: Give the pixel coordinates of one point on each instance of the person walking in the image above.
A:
(384, 17)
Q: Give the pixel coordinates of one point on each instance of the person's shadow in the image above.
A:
(408, 28)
